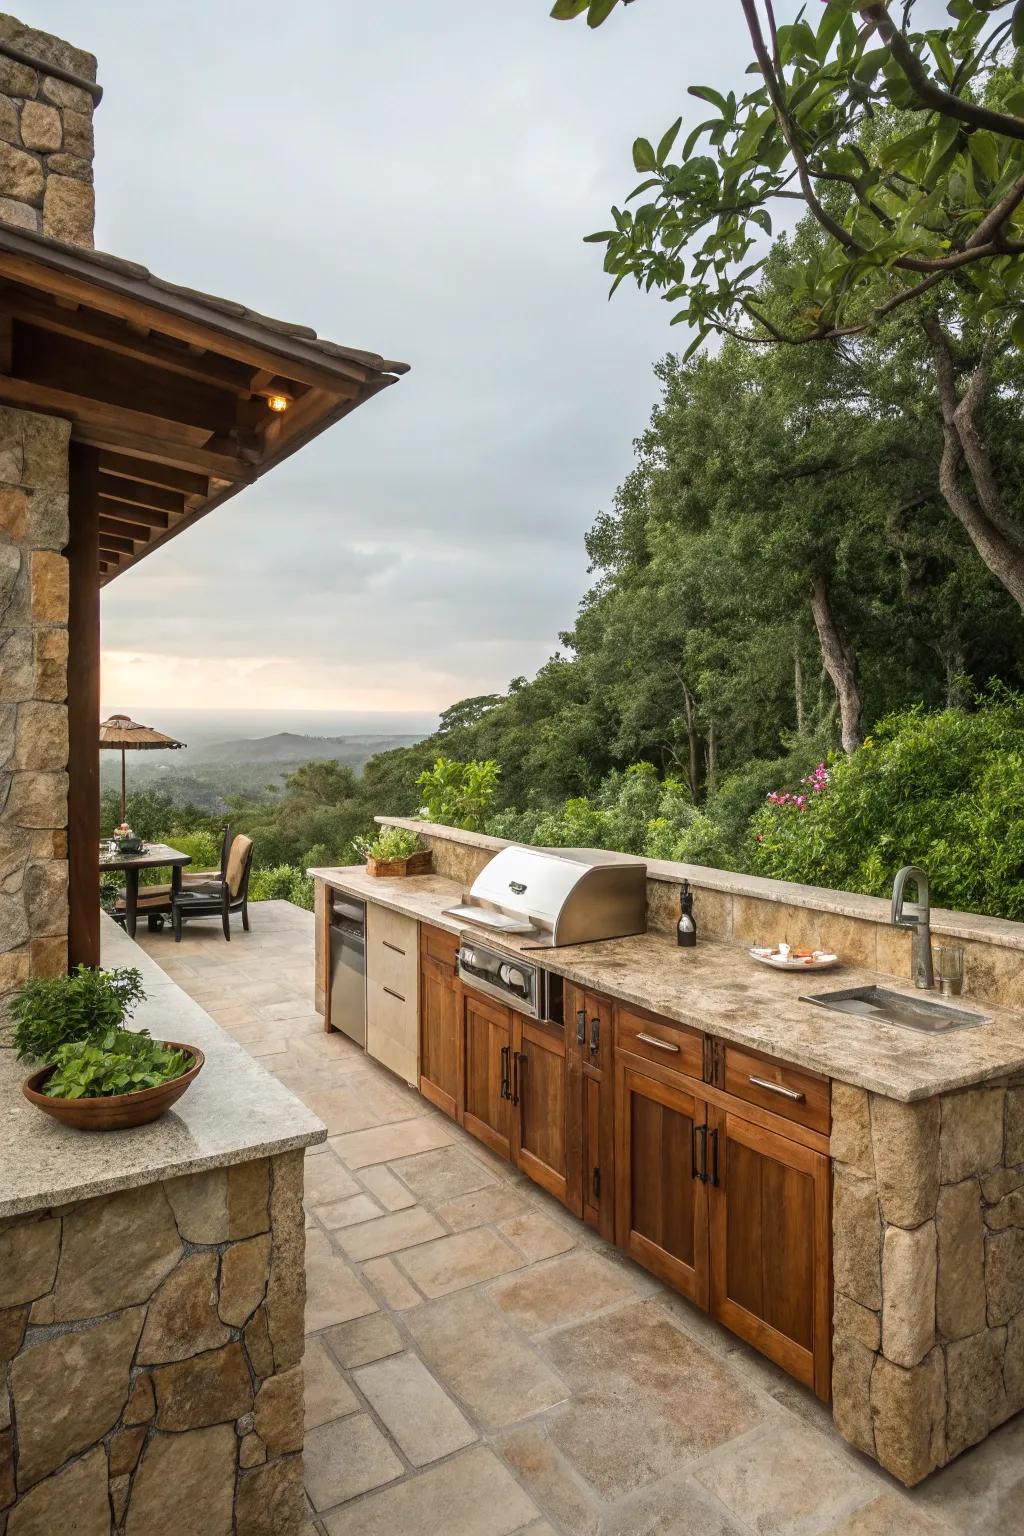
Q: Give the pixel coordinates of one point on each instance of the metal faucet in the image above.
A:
(915, 915)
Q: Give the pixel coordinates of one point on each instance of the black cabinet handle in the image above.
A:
(504, 1072)
(699, 1170)
(517, 1057)
(581, 1027)
(714, 1158)
(596, 1183)
(595, 1035)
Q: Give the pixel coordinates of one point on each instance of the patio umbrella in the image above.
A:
(120, 733)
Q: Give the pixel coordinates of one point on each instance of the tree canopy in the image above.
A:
(905, 144)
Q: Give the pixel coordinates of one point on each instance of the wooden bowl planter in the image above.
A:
(414, 864)
(118, 1111)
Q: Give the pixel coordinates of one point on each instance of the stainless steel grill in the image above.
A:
(553, 897)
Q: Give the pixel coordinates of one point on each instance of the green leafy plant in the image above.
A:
(54, 1011)
(389, 843)
(457, 794)
(119, 1061)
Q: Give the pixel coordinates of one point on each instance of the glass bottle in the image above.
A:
(686, 928)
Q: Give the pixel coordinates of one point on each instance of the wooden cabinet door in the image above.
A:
(660, 1172)
(588, 1026)
(769, 1203)
(540, 1092)
(440, 1034)
(487, 1074)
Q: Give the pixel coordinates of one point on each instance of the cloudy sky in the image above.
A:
(413, 178)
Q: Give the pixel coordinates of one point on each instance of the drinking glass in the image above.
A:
(948, 962)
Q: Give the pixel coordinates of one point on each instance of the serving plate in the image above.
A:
(821, 960)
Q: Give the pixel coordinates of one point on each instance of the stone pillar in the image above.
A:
(46, 138)
(33, 693)
(928, 1240)
(46, 154)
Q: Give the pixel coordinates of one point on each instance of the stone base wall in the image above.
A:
(33, 695)
(928, 1257)
(150, 1359)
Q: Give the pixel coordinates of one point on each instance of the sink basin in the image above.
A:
(887, 1007)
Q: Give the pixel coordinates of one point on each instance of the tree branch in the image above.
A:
(930, 94)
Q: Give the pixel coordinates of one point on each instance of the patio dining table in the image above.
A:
(151, 856)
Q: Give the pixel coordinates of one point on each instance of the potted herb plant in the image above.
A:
(96, 1074)
(394, 851)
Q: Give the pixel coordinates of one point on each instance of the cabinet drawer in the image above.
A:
(391, 951)
(670, 1045)
(774, 1085)
(392, 1028)
(436, 944)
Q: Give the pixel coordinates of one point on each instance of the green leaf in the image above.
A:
(985, 153)
(708, 93)
(566, 10)
(643, 155)
(599, 11)
(667, 140)
(941, 54)
(1017, 331)
(762, 218)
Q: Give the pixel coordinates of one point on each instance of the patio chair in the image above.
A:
(189, 878)
(219, 898)
(202, 876)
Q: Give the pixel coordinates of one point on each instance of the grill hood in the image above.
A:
(559, 896)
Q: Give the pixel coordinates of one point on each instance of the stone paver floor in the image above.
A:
(479, 1364)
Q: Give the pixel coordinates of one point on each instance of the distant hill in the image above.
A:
(207, 776)
(289, 747)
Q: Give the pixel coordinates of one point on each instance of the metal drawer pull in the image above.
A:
(388, 945)
(663, 1045)
(396, 995)
(787, 1093)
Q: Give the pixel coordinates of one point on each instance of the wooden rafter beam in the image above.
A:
(150, 445)
(125, 512)
(149, 473)
(117, 488)
(126, 341)
(112, 542)
(121, 527)
(77, 367)
(233, 336)
(97, 415)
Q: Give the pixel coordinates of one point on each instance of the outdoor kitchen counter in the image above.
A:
(716, 987)
(235, 1111)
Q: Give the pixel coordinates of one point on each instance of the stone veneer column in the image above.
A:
(928, 1239)
(33, 691)
(46, 152)
(46, 137)
(150, 1359)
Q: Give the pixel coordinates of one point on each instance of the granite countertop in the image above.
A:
(234, 1112)
(718, 988)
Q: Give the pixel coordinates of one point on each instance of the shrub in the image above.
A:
(203, 848)
(273, 884)
(943, 789)
(50, 1012)
(458, 794)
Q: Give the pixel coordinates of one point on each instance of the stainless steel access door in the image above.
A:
(348, 968)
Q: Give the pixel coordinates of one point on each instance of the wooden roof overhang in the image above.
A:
(168, 384)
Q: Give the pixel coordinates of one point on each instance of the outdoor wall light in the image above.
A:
(278, 403)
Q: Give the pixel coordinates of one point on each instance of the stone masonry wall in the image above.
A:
(33, 693)
(46, 138)
(150, 1359)
(928, 1257)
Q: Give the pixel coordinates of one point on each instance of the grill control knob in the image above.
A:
(513, 978)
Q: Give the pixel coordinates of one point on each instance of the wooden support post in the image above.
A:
(84, 708)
